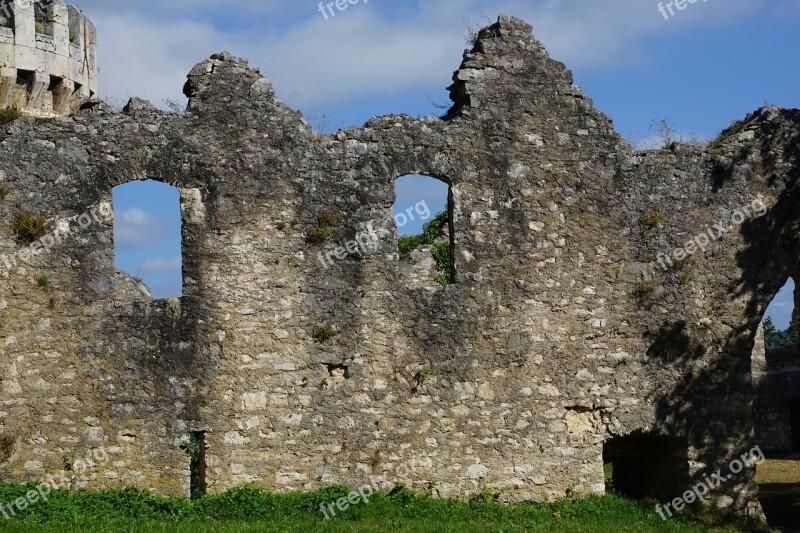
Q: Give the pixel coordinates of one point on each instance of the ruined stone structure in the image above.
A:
(776, 377)
(561, 344)
(48, 64)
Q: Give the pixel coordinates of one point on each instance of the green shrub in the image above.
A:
(735, 127)
(441, 254)
(440, 250)
(653, 219)
(408, 243)
(326, 221)
(319, 234)
(42, 281)
(423, 375)
(8, 115)
(30, 227)
(324, 333)
(645, 288)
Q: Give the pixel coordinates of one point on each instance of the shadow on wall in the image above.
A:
(712, 403)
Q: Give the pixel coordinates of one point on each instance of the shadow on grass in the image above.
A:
(781, 502)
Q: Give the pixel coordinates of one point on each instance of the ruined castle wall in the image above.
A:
(560, 331)
(48, 63)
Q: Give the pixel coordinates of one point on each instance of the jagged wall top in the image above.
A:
(48, 62)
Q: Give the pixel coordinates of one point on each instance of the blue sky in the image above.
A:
(703, 67)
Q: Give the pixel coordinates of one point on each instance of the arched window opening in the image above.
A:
(147, 235)
(780, 322)
(776, 372)
(423, 215)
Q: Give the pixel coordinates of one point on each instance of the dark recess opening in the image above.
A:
(794, 422)
(647, 466)
(196, 448)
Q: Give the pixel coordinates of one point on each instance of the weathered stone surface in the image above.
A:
(560, 331)
(48, 63)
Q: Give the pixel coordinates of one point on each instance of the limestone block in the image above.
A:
(8, 79)
(62, 96)
(38, 87)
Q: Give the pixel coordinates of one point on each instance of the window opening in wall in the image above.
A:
(147, 235)
(423, 216)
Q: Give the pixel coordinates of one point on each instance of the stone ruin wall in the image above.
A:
(776, 378)
(48, 63)
(560, 331)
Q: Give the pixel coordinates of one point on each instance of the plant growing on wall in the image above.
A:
(8, 115)
(324, 333)
(326, 221)
(30, 227)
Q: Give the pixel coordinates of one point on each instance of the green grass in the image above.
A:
(779, 490)
(251, 509)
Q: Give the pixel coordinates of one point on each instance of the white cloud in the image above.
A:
(148, 47)
(155, 266)
(134, 227)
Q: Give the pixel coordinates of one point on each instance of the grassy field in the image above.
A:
(779, 484)
(247, 509)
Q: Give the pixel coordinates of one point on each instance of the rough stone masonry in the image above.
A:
(559, 344)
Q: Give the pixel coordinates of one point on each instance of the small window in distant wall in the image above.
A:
(423, 216)
(147, 235)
